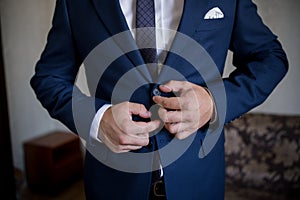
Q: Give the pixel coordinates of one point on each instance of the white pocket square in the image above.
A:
(214, 13)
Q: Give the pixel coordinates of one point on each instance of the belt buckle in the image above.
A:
(158, 184)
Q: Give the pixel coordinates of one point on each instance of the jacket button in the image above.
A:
(156, 92)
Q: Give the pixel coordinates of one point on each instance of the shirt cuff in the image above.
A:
(94, 130)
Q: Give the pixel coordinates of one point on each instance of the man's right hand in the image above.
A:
(120, 133)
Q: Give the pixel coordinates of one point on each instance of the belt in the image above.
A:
(157, 190)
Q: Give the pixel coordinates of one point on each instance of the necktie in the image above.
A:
(145, 37)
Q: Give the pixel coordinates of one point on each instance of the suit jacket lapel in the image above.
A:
(110, 13)
(192, 13)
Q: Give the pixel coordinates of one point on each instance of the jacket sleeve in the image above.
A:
(260, 62)
(54, 79)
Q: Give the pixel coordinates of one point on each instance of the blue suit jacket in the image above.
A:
(80, 25)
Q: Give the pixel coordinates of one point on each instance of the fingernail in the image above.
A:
(166, 87)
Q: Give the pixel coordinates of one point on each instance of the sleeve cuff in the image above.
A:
(94, 130)
(214, 117)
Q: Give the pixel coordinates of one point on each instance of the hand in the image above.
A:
(120, 133)
(186, 113)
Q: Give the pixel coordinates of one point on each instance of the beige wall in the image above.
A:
(24, 27)
(25, 24)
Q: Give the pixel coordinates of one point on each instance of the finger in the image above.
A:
(175, 86)
(180, 130)
(170, 116)
(151, 126)
(183, 135)
(111, 145)
(119, 137)
(139, 109)
(165, 88)
(127, 148)
(171, 103)
(143, 128)
(175, 128)
(133, 140)
(121, 148)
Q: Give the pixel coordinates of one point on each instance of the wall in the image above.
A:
(24, 27)
(25, 24)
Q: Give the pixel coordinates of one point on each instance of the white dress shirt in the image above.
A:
(168, 14)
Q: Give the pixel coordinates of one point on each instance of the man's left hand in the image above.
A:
(184, 114)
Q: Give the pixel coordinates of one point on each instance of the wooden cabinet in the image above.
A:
(53, 161)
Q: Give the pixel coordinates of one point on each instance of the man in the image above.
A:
(118, 127)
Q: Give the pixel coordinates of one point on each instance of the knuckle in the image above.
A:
(179, 136)
(171, 82)
(145, 142)
(172, 129)
(122, 140)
